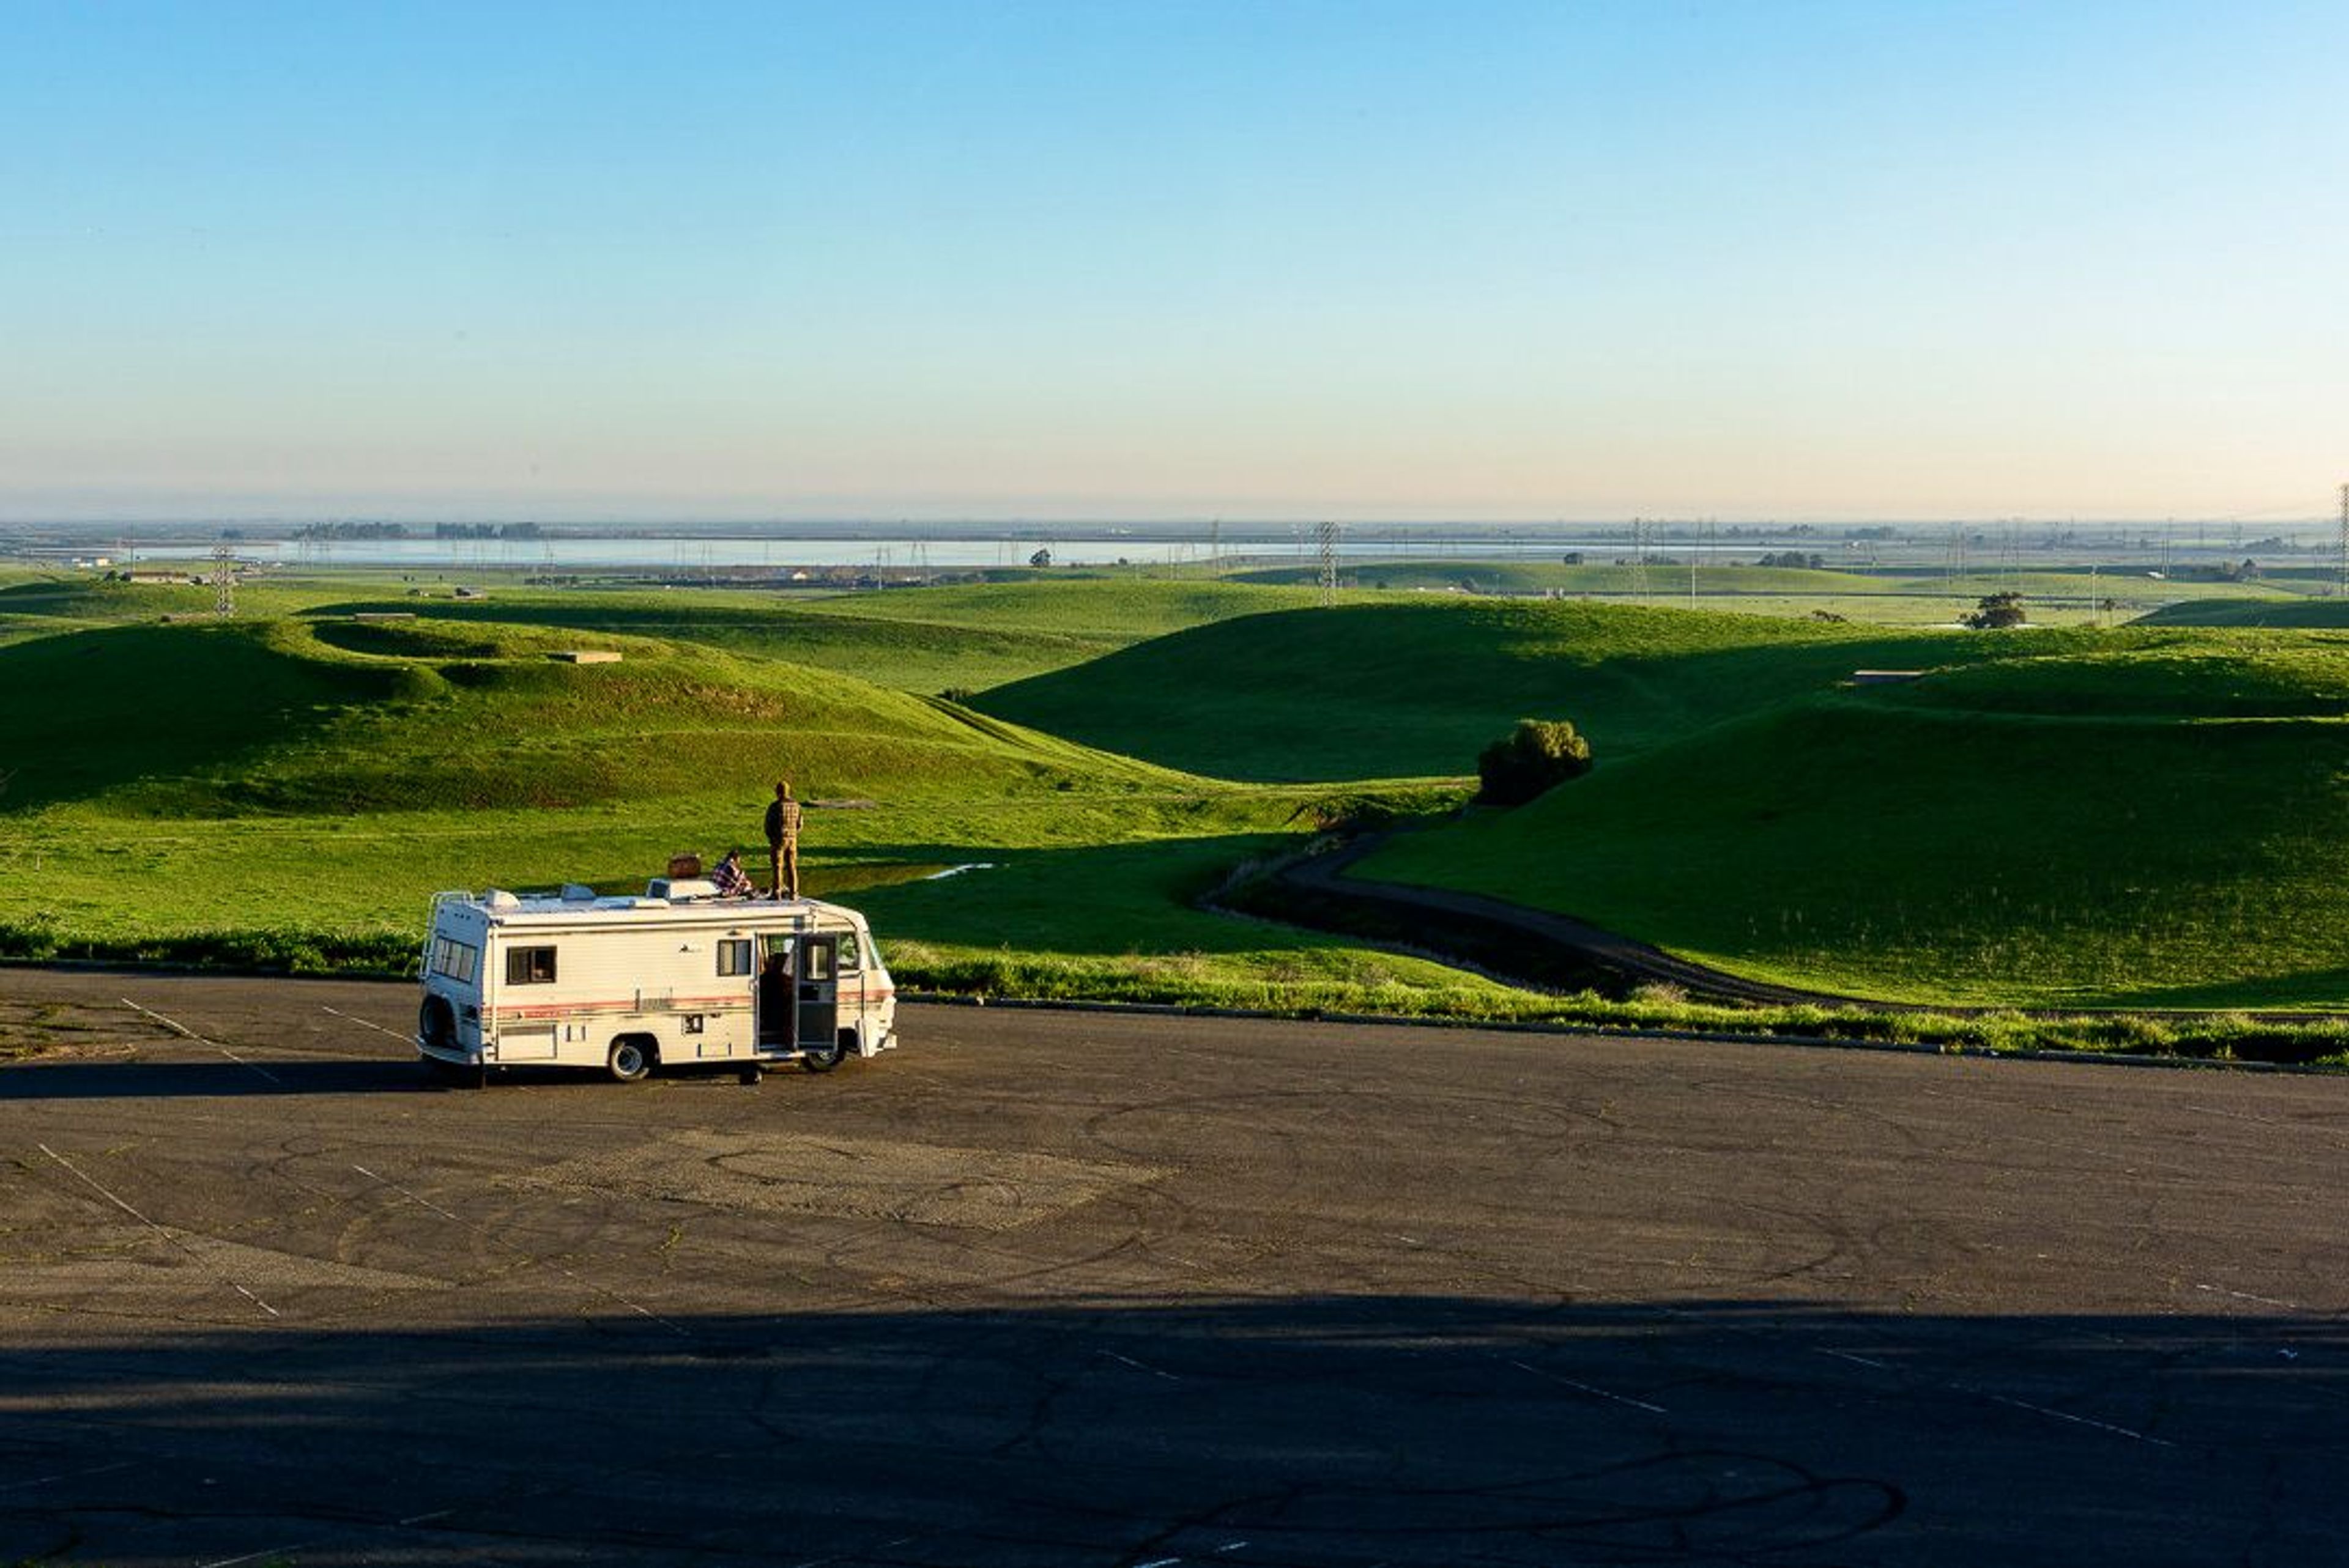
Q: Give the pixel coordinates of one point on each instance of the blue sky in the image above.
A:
(1805, 258)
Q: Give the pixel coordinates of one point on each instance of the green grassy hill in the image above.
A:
(203, 719)
(292, 792)
(1393, 688)
(910, 654)
(2133, 816)
(2163, 826)
(35, 604)
(2307, 613)
(927, 640)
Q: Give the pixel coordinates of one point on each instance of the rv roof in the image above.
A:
(501, 906)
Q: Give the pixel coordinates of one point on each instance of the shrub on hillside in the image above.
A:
(1995, 610)
(1535, 755)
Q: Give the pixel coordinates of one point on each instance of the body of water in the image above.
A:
(685, 556)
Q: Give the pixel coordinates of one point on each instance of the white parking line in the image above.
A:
(1594, 1393)
(265, 1552)
(2081, 1421)
(371, 1024)
(178, 1028)
(1137, 1366)
(158, 1229)
(66, 1475)
(2246, 1296)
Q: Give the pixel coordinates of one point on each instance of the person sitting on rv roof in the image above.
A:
(732, 880)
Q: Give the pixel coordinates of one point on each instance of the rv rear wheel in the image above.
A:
(435, 1024)
(631, 1059)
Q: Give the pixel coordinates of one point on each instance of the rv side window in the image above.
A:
(734, 955)
(849, 960)
(813, 961)
(530, 965)
(457, 960)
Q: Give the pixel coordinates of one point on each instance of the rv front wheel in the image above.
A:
(823, 1059)
(631, 1059)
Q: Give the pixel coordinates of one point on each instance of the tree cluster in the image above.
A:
(1993, 610)
(1532, 757)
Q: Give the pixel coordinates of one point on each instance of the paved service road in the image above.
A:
(1072, 1289)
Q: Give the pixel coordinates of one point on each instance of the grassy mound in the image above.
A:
(1417, 688)
(206, 719)
(908, 654)
(2308, 612)
(2170, 828)
(928, 640)
(96, 711)
(35, 604)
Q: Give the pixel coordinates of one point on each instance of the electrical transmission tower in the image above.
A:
(223, 582)
(2343, 588)
(1640, 559)
(1325, 541)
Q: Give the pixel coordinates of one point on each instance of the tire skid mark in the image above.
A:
(531, 1258)
(1952, 1385)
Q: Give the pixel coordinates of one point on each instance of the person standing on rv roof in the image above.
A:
(783, 841)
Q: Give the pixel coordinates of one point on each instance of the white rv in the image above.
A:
(626, 985)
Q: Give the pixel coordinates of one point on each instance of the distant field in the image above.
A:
(1116, 611)
(1672, 582)
(2164, 825)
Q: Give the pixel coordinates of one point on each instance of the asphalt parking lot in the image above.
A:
(1055, 1288)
